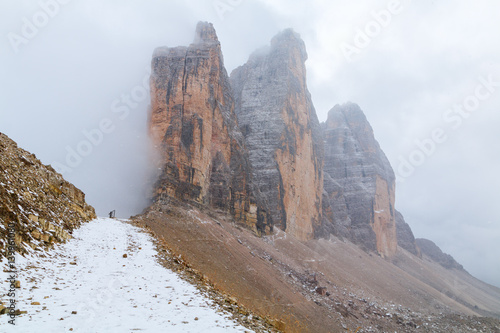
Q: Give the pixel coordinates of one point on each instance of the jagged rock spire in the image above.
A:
(282, 132)
(365, 181)
(194, 127)
(205, 32)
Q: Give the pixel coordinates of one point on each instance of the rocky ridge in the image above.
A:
(251, 145)
(431, 250)
(35, 199)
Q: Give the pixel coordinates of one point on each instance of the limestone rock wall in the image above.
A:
(252, 145)
(42, 207)
(359, 181)
(193, 125)
(282, 133)
(405, 236)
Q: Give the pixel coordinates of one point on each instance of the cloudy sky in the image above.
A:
(426, 73)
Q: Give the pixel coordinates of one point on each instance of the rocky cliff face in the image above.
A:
(359, 181)
(36, 201)
(204, 160)
(405, 236)
(252, 145)
(282, 133)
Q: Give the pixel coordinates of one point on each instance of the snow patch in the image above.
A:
(89, 285)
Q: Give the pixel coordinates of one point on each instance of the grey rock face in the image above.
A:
(405, 236)
(431, 250)
(282, 133)
(335, 215)
(359, 181)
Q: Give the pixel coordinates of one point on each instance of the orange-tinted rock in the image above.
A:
(204, 160)
(384, 222)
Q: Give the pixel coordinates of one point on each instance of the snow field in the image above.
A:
(89, 285)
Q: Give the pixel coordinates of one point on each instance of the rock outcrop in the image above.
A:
(35, 201)
(359, 181)
(405, 236)
(204, 159)
(433, 252)
(282, 133)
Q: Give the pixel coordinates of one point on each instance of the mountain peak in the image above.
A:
(289, 39)
(282, 133)
(346, 108)
(367, 185)
(194, 126)
(205, 33)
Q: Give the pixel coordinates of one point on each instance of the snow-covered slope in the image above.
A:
(88, 285)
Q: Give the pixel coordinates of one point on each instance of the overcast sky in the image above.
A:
(73, 74)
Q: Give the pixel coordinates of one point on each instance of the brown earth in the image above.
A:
(323, 285)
